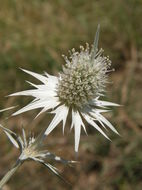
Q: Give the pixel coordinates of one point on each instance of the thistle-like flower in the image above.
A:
(78, 89)
(31, 149)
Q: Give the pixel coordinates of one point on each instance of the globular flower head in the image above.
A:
(77, 88)
(83, 77)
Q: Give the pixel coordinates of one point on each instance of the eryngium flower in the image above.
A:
(78, 89)
(31, 149)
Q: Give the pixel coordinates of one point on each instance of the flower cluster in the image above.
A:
(78, 90)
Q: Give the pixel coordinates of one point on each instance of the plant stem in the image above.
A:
(9, 174)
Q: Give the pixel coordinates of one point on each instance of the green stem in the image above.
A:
(9, 174)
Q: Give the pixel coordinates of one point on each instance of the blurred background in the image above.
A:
(33, 35)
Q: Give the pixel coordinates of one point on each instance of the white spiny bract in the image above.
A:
(78, 88)
(31, 149)
(6, 109)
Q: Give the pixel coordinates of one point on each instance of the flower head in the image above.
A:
(31, 149)
(83, 78)
(78, 88)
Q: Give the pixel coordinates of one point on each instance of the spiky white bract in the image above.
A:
(6, 109)
(78, 88)
(31, 149)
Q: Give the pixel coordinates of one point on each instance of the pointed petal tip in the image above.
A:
(22, 69)
(6, 109)
(118, 105)
(37, 115)
(98, 27)
(47, 132)
(76, 154)
(96, 40)
(14, 114)
(28, 81)
(1, 126)
(107, 138)
(74, 162)
(13, 94)
(4, 129)
(10, 136)
(116, 132)
(86, 133)
(7, 96)
(119, 134)
(63, 132)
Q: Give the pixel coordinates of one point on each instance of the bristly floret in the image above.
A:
(83, 77)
